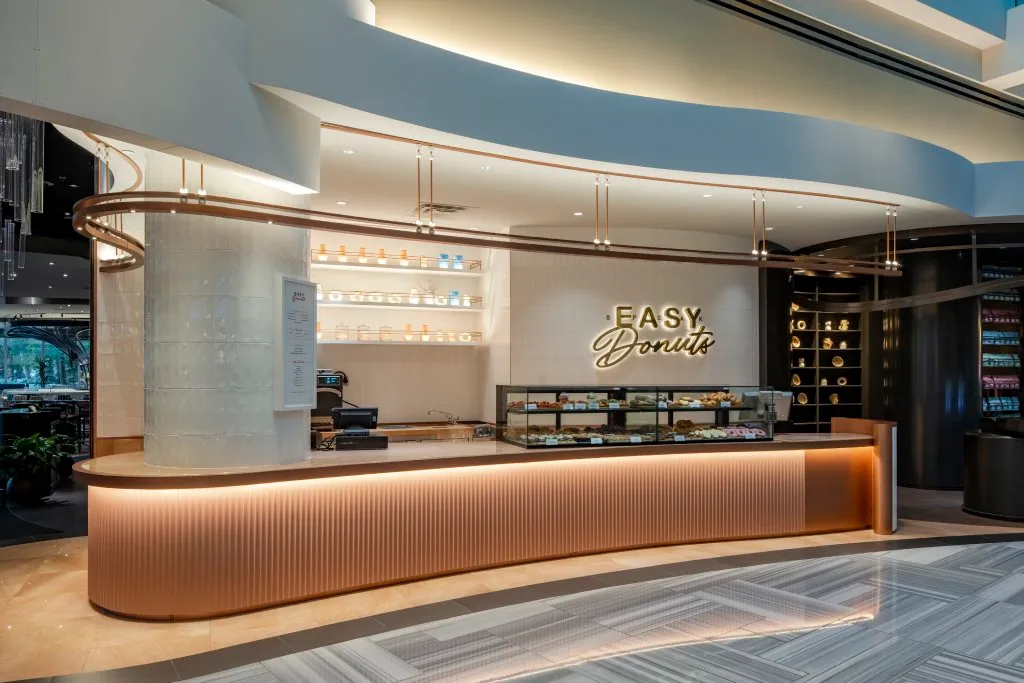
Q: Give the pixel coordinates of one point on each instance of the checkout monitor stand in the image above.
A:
(353, 430)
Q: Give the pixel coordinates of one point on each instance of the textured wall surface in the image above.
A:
(209, 331)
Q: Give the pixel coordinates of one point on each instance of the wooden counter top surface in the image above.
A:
(129, 470)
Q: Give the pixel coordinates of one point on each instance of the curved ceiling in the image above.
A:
(690, 51)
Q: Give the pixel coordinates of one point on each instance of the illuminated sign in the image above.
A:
(617, 343)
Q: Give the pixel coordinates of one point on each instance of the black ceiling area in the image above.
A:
(57, 257)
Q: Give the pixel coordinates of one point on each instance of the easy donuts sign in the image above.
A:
(640, 330)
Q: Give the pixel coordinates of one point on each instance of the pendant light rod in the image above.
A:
(607, 212)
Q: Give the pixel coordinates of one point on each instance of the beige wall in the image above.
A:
(560, 304)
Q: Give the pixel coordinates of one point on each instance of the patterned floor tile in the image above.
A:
(780, 611)
(928, 580)
(886, 661)
(559, 636)
(818, 578)
(251, 673)
(705, 663)
(975, 627)
(473, 657)
(948, 667)
(1008, 589)
(356, 661)
(822, 649)
(890, 609)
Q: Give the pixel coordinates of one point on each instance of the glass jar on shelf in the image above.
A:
(341, 332)
(363, 333)
(342, 254)
(382, 258)
(424, 333)
(362, 255)
(414, 296)
(385, 333)
(408, 332)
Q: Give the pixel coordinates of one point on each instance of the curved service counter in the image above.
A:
(170, 543)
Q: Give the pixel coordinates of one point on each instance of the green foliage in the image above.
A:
(30, 455)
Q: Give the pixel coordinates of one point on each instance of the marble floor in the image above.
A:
(49, 629)
(953, 613)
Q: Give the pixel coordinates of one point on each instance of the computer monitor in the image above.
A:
(344, 418)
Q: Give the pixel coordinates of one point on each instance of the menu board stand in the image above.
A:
(294, 344)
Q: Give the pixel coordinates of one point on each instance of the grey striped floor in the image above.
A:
(950, 614)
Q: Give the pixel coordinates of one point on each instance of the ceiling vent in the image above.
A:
(440, 209)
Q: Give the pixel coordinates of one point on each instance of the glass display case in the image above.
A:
(545, 416)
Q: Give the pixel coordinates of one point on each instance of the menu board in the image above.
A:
(294, 344)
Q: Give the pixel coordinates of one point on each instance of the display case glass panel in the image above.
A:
(546, 416)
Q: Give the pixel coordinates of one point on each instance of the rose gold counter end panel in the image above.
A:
(838, 495)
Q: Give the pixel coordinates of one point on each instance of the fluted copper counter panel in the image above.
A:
(179, 553)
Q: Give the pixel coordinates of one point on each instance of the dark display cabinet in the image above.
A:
(826, 354)
(1000, 346)
(545, 416)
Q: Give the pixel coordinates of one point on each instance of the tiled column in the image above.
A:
(209, 330)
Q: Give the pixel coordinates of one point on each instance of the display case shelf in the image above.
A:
(746, 417)
(402, 307)
(402, 342)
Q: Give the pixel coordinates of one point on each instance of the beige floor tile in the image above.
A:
(9, 585)
(55, 584)
(62, 606)
(357, 605)
(66, 561)
(155, 650)
(109, 631)
(21, 566)
(41, 548)
(276, 621)
(32, 665)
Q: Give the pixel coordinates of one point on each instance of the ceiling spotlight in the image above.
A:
(799, 206)
(914, 239)
(49, 286)
(65, 275)
(51, 263)
(578, 213)
(73, 185)
(707, 195)
(485, 168)
(349, 152)
(770, 227)
(341, 203)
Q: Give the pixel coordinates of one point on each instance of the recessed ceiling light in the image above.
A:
(341, 203)
(821, 254)
(65, 274)
(49, 286)
(51, 263)
(485, 168)
(348, 151)
(914, 239)
(707, 195)
(799, 206)
(770, 227)
(72, 185)
(578, 213)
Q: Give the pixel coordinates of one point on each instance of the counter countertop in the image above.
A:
(128, 470)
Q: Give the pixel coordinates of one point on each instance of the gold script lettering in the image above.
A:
(616, 345)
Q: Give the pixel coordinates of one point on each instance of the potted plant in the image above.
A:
(29, 463)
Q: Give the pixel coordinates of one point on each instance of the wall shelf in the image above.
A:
(402, 307)
(393, 265)
(356, 342)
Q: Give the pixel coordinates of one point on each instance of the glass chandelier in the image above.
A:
(21, 187)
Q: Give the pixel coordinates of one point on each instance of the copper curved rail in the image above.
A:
(941, 296)
(134, 255)
(89, 214)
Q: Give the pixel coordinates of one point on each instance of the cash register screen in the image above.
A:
(354, 417)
